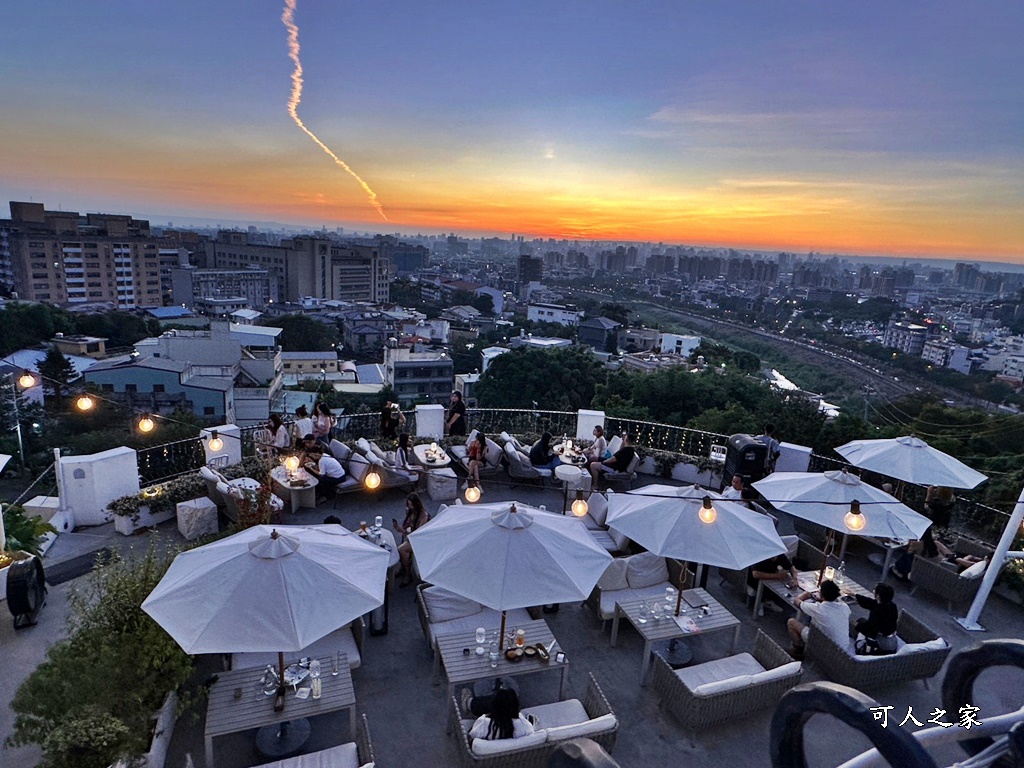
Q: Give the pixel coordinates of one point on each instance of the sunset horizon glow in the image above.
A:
(868, 130)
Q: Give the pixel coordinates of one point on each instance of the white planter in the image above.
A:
(127, 525)
(163, 730)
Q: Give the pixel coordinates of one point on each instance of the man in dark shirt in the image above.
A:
(455, 418)
(778, 568)
(617, 463)
(883, 615)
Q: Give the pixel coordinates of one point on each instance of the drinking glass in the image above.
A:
(510, 637)
(520, 638)
(378, 522)
(642, 616)
(670, 597)
(493, 656)
(337, 662)
(481, 635)
(658, 611)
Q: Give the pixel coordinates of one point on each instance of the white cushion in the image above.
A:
(929, 645)
(723, 686)
(569, 712)
(614, 576)
(719, 669)
(597, 725)
(341, 756)
(370, 764)
(358, 466)
(498, 746)
(376, 450)
(443, 605)
(340, 451)
(792, 668)
(792, 545)
(364, 445)
(613, 445)
(975, 571)
(598, 508)
(606, 607)
(492, 455)
(621, 540)
(374, 459)
(646, 569)
(605, 540)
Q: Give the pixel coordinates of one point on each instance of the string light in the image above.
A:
(215, 444)
(85, 403)
(146, 423)
(708, 514)
(372, 479)
(579, 505)
(854, 519)
(26, 380)
(292, 463)
(473, 492)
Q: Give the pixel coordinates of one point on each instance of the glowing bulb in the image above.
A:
(854, 519)
(372, 480)
(27, 380)
(473, 493)
(433, 447)
(708, 513)
(292, 463)
(85, 403)
(216, 444)
(580, 506)
(146, 424)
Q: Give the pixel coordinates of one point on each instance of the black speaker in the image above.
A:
(744, 456)
(26, 591)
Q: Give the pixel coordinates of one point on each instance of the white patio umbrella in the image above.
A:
(265, 590)
(679, 491)
(826, 497)
(508, 555)
(680, 526)
(911, 459)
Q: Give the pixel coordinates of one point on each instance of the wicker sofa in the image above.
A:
(592, 718)
(943, 579)
(631, 578)
(442, 612)
(920, 656)
(724, 689)
(351, 755)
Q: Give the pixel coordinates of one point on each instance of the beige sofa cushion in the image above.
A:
(645, 569)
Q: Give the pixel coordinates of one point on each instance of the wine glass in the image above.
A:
(642, 616)
(658, 611)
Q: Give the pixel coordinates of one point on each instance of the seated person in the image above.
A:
(307, 443)
(541, 454)
(477, 455)
(617, 463)
(501, 718)
(328, 472)
(597, 450)
(882, 617)
(927, 547)
(735, 490)
(829, 614)
(778, 568)
(415, 517)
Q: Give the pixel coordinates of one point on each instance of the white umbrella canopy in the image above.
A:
(508, 555)
(265, 589)
(911, 459)
(825, 498)
(670, 526)
(679, 491)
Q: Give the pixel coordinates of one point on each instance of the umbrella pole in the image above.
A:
(830, 542)
(682, 586)
(501, 634)
(279, 699)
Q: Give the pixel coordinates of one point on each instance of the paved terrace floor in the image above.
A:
(406, 712)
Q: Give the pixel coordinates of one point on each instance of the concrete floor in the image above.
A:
(407, 714)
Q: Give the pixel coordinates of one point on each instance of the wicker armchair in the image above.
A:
(861, 672)
(594, 703)
(697, 711)
(943, 579)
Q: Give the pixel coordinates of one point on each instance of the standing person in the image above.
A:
(774, 447)
(415, 517)
(938, 503)
(541, 454)
(617, 463)
(328, 472)
(883, 616)
(323, 423)
(830, 615)
(392, 420)
(597, 450)
(279, 437)
(455, 418)
(302, 426)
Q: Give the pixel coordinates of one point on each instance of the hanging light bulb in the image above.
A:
(708, 513)
(215, 444)
(146, 423)
(579, 505)
(854, 519)
(473, 492)
(291, 463)
(26, 380)
(85, 403)
(372, 480)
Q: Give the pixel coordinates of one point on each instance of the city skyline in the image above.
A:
(872, 129)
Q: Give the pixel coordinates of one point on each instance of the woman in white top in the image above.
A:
(596, 451)
(302, 426)
(280, 438)
(504, 721)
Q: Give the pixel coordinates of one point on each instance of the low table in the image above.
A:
(299, 494)
(420, 452)
(463, 669)
(225, 714)
(807, 581)
(717, 618)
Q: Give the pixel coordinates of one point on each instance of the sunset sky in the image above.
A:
(868, 127)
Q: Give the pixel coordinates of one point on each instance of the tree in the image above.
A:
(25, 325)
(301, 333)
(120, 329)
(484, 304)
(557, 379)
(616, 312)
(57, 373)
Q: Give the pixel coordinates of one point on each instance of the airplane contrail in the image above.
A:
(288, 18)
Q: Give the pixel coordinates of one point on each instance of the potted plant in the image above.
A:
(145, 509)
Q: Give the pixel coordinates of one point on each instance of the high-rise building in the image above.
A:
(62, 258)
